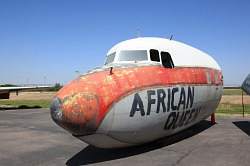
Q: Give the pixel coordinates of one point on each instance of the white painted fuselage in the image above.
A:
(148, 88)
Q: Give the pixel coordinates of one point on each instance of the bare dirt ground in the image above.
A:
(235, 99)
(32, 96)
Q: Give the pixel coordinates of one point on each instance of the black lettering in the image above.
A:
(182, 99)
(190, 98)
(186, 117)
(174, 126)
(137, 102)
(174, 90)
(190, 115)
(180, 123)
(160, 100)
(169, 95)
(150, 100)
(170, 120)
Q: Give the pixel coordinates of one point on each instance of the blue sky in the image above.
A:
(48, 40)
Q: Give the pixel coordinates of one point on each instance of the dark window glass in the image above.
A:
(110, 58)
(166, 60)
(154, 55)
(133, 55)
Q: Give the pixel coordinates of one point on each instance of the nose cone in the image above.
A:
(55, 110)
(76, 112)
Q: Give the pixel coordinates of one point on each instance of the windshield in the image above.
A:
(110, 58)
(133, 55)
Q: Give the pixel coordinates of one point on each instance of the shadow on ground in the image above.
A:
(244, 126)
(92, 154)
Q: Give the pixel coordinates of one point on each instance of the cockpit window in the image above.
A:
(166, 59)
(110, 58)
(133, 55)
(154, 55)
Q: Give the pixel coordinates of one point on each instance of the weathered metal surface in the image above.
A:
(132, 102)
(246, 85)
(156, 112)
(86, 100)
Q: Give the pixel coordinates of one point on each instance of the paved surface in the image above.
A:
(29, 137)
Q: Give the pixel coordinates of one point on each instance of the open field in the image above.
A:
(32, 96)
(233, 92)
(230, 102)
(235, 99)
(28, 100)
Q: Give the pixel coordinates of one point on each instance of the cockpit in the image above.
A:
(140, 56)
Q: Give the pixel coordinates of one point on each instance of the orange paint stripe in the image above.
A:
(111, 88)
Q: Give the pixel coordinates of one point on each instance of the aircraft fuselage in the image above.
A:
(126, 105)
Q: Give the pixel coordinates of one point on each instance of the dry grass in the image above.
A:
(226, 99)
(27, 100)
(234, 99)
(229, 103)
(32, 96)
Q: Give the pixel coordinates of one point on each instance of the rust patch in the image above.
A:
(80, 108)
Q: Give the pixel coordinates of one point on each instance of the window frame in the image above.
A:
(173, 66)
(114, 53)
(149, 52)
(123, 61)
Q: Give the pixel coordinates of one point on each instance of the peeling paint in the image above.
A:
(80, 107)
(92, 95)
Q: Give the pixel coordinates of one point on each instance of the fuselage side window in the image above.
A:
(110, 58)
(154, 55)
(133, 55)
(166, 60)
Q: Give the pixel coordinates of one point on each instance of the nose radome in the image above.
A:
(77, 113)
(55, 110)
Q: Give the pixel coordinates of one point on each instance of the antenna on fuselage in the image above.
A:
(171, 37)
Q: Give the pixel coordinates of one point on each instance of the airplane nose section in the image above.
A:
(55, 110)
(76, 113)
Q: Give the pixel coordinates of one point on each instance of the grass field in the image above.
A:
(232, 108)
(26, 103)
(233, 92)
(230, 103)
(223, 108)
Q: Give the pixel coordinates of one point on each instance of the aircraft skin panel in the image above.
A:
(103, 141)
(120, 126)
(182, 54)
(86, 100)
(150, 121)
(140, 98)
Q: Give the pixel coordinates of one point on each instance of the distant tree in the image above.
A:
(56, 87)
(8, 85)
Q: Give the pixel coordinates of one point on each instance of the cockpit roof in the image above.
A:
(182, 54)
